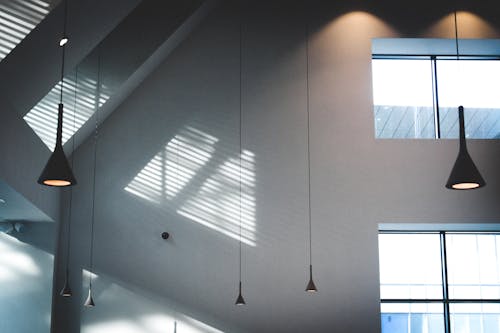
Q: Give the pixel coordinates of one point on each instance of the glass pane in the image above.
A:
(412, 318)
(473, 266)
(473, 84)
(410, 266)
(475, 318)
(402, 98)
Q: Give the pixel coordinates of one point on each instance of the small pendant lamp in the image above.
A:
(464, 175)
(240, 300)
(57, 171)
(66, 291)
(311, 287)
(90, 301)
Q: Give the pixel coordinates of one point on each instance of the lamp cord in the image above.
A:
(98, 97)
(63, 50)
(456, 34)
(308, 147)
(240, 132)
(177, 175)
(72, 163)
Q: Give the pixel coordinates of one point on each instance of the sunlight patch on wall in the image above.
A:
(87, 274)
(216, 205)
(189, 178)
(139, 312)
(18, 18)
(13, 262)
(120, 325)
(174, 166)
(42, 118)
(26, 277)
(183, 324)
(158, 323)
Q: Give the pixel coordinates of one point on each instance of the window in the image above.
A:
(417, 96)
(440, 282)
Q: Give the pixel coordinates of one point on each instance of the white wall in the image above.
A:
(357, 181)
(23, 158)
(26, 277)
(138, 311)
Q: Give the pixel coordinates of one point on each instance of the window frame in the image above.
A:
(443, 48)
(445, 300)
(433, 59)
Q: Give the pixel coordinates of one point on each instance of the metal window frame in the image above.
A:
(433, 62)
(446, 300)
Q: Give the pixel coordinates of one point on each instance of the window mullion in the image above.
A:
(435, 95)
(444, 272)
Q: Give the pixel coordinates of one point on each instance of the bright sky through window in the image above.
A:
(471, 83)
(408, 273)
(402, 82)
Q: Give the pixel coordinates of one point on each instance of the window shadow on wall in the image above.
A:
(192, 177)
(82, 82)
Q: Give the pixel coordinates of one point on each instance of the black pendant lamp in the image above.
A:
(240, 300)
(66, 291)
(311, 287)
(464, 175)
(90, 301)
(57, 171)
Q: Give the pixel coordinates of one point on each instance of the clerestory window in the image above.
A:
(416, 96)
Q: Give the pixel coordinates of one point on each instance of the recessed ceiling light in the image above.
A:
(63, 41)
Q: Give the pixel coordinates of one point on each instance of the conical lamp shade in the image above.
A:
(311, 287)
(89, 303)
(464, 175)
(240, 300)
(66, 291)
(57, 171)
